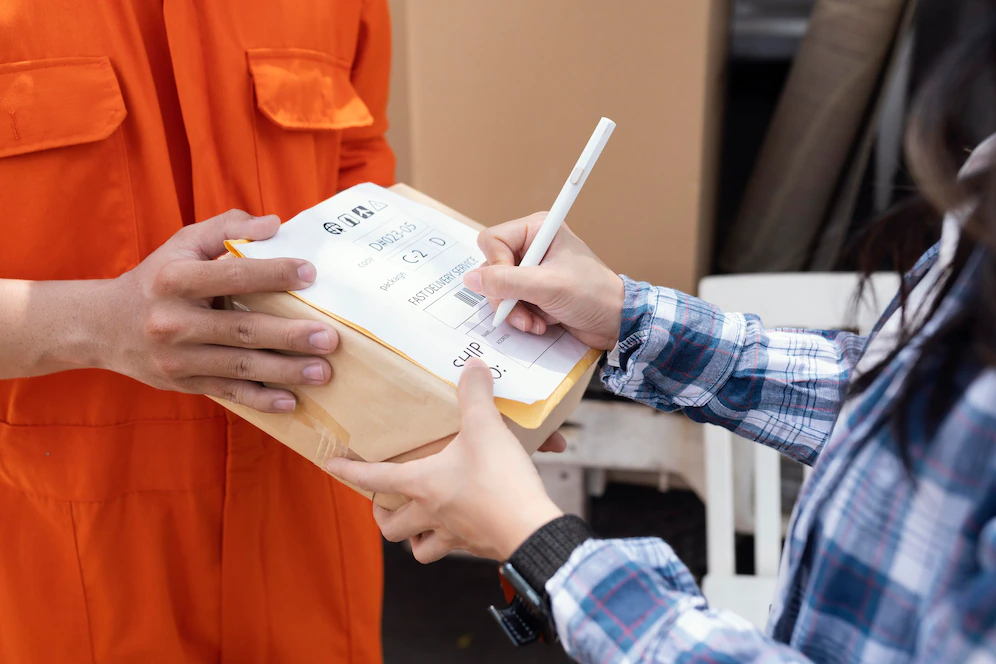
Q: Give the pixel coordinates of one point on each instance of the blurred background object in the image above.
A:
(830, 104)
(490, 103)
(768, 29)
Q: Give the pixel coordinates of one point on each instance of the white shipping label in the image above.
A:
(395, 268)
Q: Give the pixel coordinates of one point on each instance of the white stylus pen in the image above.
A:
(541, 243)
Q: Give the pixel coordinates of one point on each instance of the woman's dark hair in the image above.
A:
(936, 148)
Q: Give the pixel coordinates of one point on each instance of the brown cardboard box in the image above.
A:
(379, 406)
(492, 103)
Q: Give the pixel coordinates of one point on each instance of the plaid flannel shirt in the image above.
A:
(875, 568)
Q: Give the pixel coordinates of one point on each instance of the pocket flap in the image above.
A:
(54, 103)
(306, 90)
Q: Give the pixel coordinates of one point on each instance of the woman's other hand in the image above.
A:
(481, 494)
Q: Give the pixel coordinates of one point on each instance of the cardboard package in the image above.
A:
(491, 103)
(380, 406)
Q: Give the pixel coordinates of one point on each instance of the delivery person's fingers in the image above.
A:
(404, 523)
(381, 477)
(555, 443)
(259, 366)
(431, 546)
(191, 279)
(206, 240)
(477, 401)
(505, 244)
(247, 330)
(243, 392)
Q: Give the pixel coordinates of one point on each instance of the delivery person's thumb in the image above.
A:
(505, 282)
(477, 400)
(207, 238)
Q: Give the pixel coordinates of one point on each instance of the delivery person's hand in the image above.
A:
(571, 286)
(163, 328)
(481, 494)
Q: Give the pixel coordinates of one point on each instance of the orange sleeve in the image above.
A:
(366, 156)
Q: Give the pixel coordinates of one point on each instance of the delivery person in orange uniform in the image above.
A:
(139, 522)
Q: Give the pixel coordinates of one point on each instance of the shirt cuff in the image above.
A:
(674, 350)
(612, 357)
(639, 310)
(635, 307)
(548, 549)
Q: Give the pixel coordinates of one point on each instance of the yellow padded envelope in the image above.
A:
(530, 416)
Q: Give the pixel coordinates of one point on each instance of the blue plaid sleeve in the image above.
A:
(782, 388)
(628, 601)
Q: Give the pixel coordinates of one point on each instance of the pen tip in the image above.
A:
(501, 313)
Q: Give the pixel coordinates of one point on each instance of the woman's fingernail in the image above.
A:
(284, 405)
(518, 321)
(315, 373)
(472, 280)
(475, 363)
(321, 341)
(307, 273)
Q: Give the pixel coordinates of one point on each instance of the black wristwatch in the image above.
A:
(527, 618)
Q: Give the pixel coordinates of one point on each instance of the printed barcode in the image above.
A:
(468, 297)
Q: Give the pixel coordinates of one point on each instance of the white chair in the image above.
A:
(743, 479)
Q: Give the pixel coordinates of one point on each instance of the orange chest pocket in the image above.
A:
(304, 100)
(64, 183)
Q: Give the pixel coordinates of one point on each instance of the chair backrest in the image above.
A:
(797, 300)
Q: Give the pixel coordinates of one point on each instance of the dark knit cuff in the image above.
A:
(548, 549)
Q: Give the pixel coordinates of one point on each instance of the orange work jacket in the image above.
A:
(146, 526)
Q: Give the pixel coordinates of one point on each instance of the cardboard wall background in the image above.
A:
(399, 107)
(493, 102)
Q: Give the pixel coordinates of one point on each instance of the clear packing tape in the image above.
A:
(333, 439)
